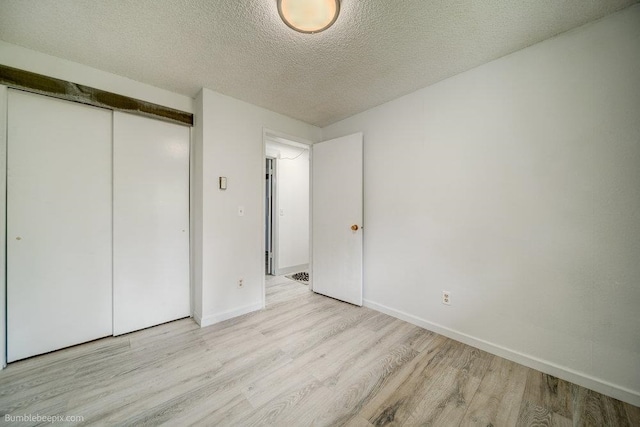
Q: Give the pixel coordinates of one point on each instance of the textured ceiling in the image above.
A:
(377, 50)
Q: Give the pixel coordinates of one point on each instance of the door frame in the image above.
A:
(284, 138)
(271, 228)
(4, 100)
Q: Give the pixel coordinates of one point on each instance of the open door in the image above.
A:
(336, 268)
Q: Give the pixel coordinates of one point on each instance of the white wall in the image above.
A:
(292, 207)
(233, 246)
(516, 186)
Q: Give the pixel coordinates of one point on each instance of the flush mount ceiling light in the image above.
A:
(309, 16)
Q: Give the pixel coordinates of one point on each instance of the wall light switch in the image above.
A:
(222, 181)
(281, 212)
(240, 210)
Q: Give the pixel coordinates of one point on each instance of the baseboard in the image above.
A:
(562, 372)
(291, 270)
(198, 318)
(212, 319)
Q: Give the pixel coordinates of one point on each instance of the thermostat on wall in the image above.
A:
(223, 182)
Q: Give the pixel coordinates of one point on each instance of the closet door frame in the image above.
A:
(4, 99)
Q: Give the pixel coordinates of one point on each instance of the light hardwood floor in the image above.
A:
(305, 360)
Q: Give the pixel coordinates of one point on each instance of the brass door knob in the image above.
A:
(354, 227)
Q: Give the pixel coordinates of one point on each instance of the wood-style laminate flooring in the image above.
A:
(305, 360)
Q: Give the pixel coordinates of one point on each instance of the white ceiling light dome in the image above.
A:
(309, 16)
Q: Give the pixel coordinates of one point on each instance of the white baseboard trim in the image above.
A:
(291, 270)
(198, 318)
(212, 319)
(562, 372)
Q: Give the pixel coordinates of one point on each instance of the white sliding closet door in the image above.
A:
(58, 224)
(150, 222)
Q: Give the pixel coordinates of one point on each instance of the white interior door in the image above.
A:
(150, 222)
(58, 224)
(336, 268)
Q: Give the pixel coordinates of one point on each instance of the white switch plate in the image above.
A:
(240, 210)
(281, 212)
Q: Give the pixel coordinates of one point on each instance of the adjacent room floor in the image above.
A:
(305, 360)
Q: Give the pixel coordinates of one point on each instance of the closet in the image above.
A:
(97, 223)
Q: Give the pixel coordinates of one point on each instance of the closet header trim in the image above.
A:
(44, 85)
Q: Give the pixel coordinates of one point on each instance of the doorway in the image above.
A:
(286, 205)
(333, 182)
(268, 225)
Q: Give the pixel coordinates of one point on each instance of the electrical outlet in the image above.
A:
(446, 297)
(240, 283)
